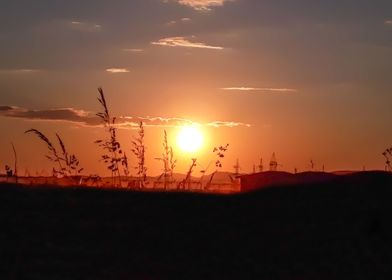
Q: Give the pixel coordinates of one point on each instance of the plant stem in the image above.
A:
(16, 164)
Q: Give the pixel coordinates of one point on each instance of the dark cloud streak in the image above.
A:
(89, 119)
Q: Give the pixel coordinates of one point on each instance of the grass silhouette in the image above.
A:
(114, 156)
(139, 150)
(168, 162)
(67, 164)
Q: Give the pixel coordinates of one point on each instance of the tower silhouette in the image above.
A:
(311, 165)
(261, 167)
(237, 167)
(273, 163)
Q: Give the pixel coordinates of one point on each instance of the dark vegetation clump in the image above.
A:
(220, 154)
(8, 171)
(116, 159)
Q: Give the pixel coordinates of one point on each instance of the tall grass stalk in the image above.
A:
(71, 161)
(114, 156)
(186, 183)
(15, 163)
(67, 164)
(53, 155)
(168, 161)
(139, 150)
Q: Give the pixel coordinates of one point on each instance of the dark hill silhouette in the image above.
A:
(256, 181)
(313, 177)
(220, 177)
(338, 229)
(264, 179)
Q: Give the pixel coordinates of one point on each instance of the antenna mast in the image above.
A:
(237, 167)
(261, 167)
(273, 163)
(311, 164)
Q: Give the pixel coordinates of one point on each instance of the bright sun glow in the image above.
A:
(190, 139)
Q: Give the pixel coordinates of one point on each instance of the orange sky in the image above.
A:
(306, 81)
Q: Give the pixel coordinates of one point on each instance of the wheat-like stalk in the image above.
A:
(71, 161)
(139, 150)
(68, 164)
(187, 181)
(168, 161)
(114, 156)
(15, 163)
(53, 154)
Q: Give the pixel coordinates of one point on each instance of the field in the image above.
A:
(339, 230)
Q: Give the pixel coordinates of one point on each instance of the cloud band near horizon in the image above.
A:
(200, 5)
(19, 71)
(89, 119)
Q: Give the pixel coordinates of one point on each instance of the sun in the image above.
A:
(189, 139)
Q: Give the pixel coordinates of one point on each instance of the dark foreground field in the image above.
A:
(339, 230)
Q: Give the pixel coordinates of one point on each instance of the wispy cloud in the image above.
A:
(172, 22)
(227, 124)
(260, 89)
(85, 26)
(89, 119)
(183, 42)
(388, 22)
(200, 5)
(182, 20)
(117, 70)
(133, 50)
(19, 71)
